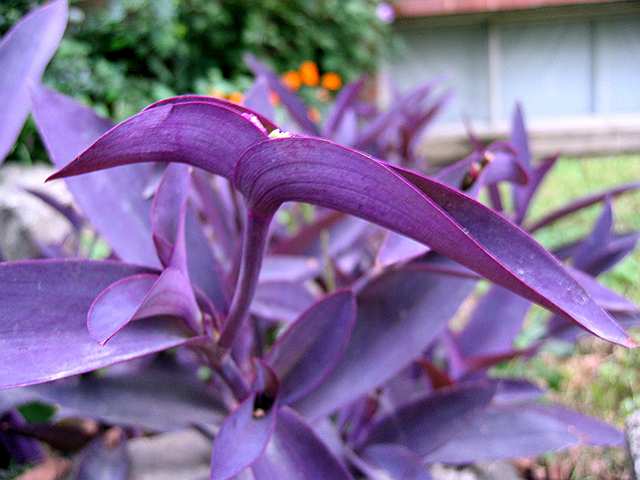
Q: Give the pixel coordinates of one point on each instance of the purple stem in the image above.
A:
(253, 247)
(496, 199)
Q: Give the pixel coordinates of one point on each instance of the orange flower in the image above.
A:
(314, 114)
(292, 80)
(331, 81)
(235, 97)
(309, 73)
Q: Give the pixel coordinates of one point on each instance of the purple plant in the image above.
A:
(326, 348)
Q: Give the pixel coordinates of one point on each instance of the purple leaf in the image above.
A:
(524, 193)
(382, 121)
(513, 431)
(139, 297)
(195, 259)
(217, 212)
(519, 137)
(344, 101)
(607, 299)
(602, 248)
(398, 462)
(257, 98)
(510, 391)
(312, 346)
(293, 268)
(581, 203)
(245, 433)
(399, 314)
(320, 172)
(50, 299)
(139, 398)
(25, 51)
(281, 300)
(494, 325)
(264, 124)
(398, 248)
(105, 458)
(425, 425)
(296, 453)
(212, 137)
(22, 450)
(112, 201)
(292, 103)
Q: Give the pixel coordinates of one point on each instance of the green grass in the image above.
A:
(594, 377)
(573, 178)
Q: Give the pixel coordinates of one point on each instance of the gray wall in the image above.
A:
(562, 64)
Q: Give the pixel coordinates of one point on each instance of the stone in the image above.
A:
(26, 222)
(181, 455)
(632, 432)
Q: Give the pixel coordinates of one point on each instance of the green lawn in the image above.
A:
(573, 178)
(595, 377)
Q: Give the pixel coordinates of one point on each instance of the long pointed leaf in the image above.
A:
(427, 424)
(112, 201)
(513, 431)
(399, 314)
(25, 51)
(45, 300)
(320, 172)
(307, 352)
(296, 453)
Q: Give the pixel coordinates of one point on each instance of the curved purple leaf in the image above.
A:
(399, 314)
(311, 347)
(320, 172)
(50, 299)
(607, 299)
(425, 425)
(263, 123)
(25, 51)
(169, 211)
(244, 435)
(140, 297)
(112, 201)
(513, 431)
(296, 453)
(199, 133)
(398, 462)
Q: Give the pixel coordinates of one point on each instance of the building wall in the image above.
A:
(567, 66)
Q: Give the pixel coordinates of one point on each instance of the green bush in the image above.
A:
(120, 55)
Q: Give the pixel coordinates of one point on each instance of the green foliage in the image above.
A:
(120, 55)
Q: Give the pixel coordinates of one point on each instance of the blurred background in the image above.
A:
(573, 64)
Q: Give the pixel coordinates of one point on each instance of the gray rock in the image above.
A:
(632, 431)
(483, 471)
(25, 221)
(183, 455)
